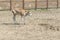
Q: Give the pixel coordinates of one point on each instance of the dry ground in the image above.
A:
(41, 25)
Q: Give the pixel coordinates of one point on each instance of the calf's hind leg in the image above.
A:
(14, 18)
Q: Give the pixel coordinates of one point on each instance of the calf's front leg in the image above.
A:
(23, 20)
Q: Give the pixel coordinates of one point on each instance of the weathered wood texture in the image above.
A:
(7, 4)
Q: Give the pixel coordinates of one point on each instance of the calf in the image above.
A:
(19, 11)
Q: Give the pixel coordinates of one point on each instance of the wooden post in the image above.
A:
(23, 4)
(57, 3)
(47, 4)
(10, 4)
(35, 4)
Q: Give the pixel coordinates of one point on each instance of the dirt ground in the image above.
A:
(41, 25)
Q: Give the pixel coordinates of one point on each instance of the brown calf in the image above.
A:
(19, 11)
